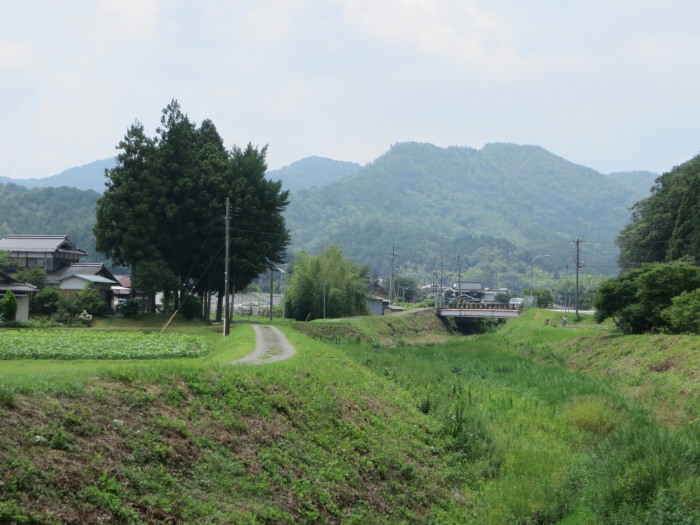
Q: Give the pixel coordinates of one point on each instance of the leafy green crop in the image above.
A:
(70, 344)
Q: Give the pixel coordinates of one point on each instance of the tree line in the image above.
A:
(660, 250)
(162, 213)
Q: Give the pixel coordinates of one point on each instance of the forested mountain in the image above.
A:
(312, 171)
(498, 207)
(50, 211)
(638, 182)
(88, 177)
(304, 173)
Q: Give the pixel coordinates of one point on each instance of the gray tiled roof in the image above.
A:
(7, 282)
(97, 279)
(38, 243)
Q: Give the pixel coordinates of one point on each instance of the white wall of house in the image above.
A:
(73, 283)
(22, 308)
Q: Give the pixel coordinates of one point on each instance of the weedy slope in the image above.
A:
(388, 420)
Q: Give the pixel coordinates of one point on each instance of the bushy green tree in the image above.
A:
(8, 307)
(34, 276)
(129, 308)
(405, 288)
(165, 205)
(191, 307)
(47, 300)
(328, 285)
(635, 300)
(90, 300)
(543, 296)
(683, 316)
(150, 277)
(665, 226)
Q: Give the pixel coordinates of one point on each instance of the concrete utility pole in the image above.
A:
(272, 283)
(459, 275)
(578, 265)
(393, 256)
(227, 329)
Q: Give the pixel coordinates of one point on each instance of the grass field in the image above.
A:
(373, 421)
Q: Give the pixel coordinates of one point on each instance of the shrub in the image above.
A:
(129, 308)
(67, 308)
(684, 313)
(190, 307)
(89, 299)
(47, 300)
(8, 307)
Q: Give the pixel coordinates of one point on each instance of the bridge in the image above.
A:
(480, 313)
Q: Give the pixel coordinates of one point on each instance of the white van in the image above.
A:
(516, 301)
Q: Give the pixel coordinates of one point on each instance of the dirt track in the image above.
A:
(270, 345)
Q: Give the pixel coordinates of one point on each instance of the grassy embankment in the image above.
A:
(530, 424)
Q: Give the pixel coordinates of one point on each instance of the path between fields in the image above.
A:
(270, 345)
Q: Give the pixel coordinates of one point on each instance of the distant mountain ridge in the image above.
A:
(304, 173)
(435, 201)
(490, 210)
(90, 176)
(312, 171)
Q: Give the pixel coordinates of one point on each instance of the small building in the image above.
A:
(376, 304)
(77, 276)
(75, 282)
(393, 309)
(48, 252)
(467, 287)
(22, 292)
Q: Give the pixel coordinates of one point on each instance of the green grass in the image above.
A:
(547, 444)
(531, 424)
(314, 439)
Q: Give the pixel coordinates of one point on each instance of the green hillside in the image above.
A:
(519, 201)
(90, 176)
(497, 207)
(311, 172)
(531, 424)
(50, 211)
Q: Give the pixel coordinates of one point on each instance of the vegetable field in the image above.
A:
(81, 344)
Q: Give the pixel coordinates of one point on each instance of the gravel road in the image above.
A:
(270, 345)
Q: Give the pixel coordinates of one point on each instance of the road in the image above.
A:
(270, 345)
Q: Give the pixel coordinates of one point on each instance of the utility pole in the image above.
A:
(578, 265)
(459, 274)
(272, 282)
(393, 256)
(227, 328)
(442, 295)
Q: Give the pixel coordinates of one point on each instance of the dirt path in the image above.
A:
(270, 345)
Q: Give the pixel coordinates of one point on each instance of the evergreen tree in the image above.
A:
(164, 206)
(8, 307)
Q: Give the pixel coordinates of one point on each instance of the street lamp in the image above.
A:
(532, 278)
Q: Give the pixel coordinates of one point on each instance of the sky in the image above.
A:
(613, 85)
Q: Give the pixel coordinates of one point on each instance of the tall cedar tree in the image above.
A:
(165, 205)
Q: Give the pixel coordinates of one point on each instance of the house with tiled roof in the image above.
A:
(60, 259)
(48, 252)
(22, 291)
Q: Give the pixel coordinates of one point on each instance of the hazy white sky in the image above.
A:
(610, 84)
